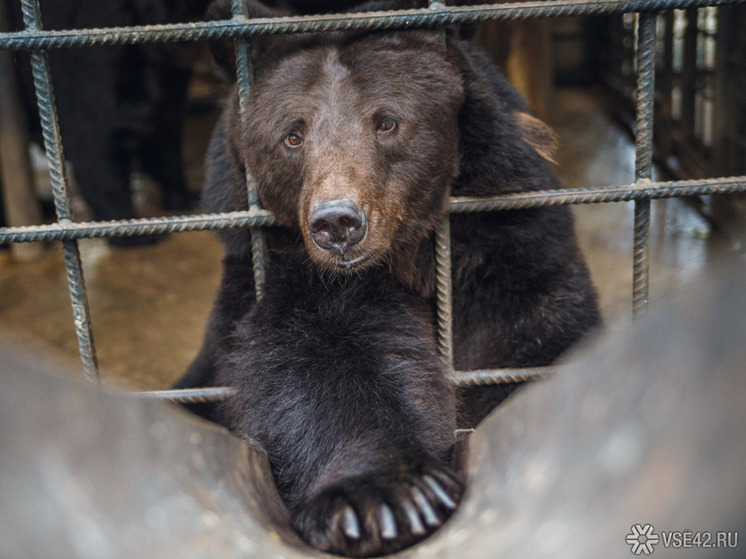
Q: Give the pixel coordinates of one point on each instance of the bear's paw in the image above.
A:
(380, 513)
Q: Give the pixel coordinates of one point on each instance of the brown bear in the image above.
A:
(356, 142)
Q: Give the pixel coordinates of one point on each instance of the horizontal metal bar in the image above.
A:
(460, 204)
(502, 376)
(189, 395)
(401, 19)
(596, 195)
(459, 378)
(148, 226)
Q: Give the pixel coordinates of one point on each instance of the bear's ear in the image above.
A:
(538, 135)
(223, 50)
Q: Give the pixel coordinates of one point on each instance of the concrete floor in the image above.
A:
(149, 305)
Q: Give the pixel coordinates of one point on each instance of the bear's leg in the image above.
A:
(343, 386)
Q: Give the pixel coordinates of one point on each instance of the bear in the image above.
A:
(356, 141)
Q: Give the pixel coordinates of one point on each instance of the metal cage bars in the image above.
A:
(643, 157)
(443, 278)
(244, 78)
(239, 28)
(53, 146)
(437, 15)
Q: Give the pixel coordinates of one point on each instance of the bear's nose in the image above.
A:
(336, 225)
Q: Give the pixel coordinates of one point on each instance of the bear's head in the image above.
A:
(355, 140)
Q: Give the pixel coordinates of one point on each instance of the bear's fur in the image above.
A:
(336, 367)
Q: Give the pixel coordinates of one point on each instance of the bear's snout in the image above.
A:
(336, 225)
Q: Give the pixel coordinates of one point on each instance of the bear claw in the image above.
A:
(388, 523)
(350, 523)
(428, 513)
(415, 523)
(439, 492)
(376, 515)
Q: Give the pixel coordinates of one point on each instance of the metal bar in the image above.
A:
(443, 277)
(437, 6)
(400, 19)
(597, 195)
(641, 256)
(460, 204)
(443, 291)
(129, 227)
(53, 146)
(643, 157)
(458, 378)
(244, 73)
(189, 395)
(501, 376)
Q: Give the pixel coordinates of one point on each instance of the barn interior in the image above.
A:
(149, 304)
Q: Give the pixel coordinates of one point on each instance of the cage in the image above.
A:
(642, 18)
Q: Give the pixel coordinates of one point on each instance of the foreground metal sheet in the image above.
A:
(648, 427)
(88, 474)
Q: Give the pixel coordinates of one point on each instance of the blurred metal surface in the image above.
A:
(647, 426)
(89, 474)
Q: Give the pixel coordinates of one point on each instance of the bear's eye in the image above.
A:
(293, 140)
(388, 124)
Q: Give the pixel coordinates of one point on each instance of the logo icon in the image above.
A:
(642, 539)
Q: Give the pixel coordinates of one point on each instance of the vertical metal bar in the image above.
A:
(438, 5)
(643, 157)
(443, 291)
(53, 146)
(443, 279)
(243, 79)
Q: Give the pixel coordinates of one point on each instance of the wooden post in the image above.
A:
(523, 50)
(529, 65)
